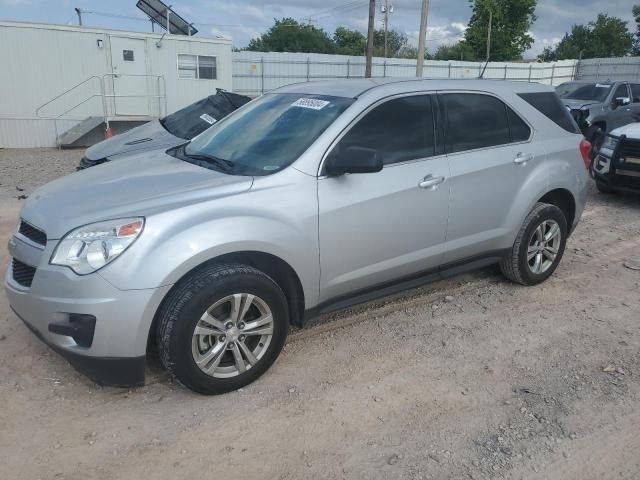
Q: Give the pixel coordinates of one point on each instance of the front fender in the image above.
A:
(162, 257)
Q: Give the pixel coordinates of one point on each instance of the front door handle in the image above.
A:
(430, 182)
(522, 158)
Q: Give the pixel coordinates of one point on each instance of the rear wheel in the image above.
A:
(222, 327)
(539, 246)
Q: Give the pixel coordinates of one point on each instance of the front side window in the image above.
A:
(400, 129)
(635, 92)
(474, 121)
(621, 92)
(266, 135)
(197, 67)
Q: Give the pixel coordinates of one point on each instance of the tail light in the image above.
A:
(585, 151)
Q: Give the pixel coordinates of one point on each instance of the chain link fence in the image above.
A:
(255, 73)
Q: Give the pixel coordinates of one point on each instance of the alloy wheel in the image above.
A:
(232, 335)
(544, 246)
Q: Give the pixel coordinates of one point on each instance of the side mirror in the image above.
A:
(353, 160)
(621, 101)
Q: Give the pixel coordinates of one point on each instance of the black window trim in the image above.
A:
(435, 113)
(444, 120)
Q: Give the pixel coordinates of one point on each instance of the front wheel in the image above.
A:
(222, 327)
(539, 246)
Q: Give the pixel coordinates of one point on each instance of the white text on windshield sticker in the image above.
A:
(208, 118)
(602, 85)
(312, 103)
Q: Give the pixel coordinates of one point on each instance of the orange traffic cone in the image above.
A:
(108, 133)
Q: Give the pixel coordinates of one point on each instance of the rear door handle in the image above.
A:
(522, 158)
(430, 182)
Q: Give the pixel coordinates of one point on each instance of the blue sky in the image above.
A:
(244, 19)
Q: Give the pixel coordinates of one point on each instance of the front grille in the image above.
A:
(32, 233)
(22, 273)
(630, 148)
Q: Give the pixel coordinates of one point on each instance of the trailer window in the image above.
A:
(201, 67)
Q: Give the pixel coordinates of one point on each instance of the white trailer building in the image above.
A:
(59, 84)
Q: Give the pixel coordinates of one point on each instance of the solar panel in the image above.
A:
(157, 12)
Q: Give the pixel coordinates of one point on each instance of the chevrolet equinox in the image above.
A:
(311, 198)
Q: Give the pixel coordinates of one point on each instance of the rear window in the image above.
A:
(551, 107)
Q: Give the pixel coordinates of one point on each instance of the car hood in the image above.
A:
(578, 104)
(632, 130)
(148, 183)
(145, 137)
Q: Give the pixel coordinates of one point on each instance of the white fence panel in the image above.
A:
(257, 72)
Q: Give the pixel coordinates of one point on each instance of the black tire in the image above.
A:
(185, 304)
(604, 188)
(515, 266)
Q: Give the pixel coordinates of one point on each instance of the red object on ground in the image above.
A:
(585, 150)
(108, 133)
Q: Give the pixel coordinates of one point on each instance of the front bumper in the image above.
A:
(116, 353)
(619, 169)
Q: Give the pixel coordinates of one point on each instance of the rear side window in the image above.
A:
(474, 121)
(400, 129)
(551, 107)
(520, 131)
(635, 92)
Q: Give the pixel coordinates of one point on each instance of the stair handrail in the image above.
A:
(101, 94)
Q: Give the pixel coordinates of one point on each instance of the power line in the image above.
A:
(337, 8)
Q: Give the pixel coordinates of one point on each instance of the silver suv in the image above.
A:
(307, 199)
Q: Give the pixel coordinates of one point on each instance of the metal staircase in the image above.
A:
(63, 108)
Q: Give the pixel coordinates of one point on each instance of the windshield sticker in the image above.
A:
(312, 103)
(602, 85)
(208, 118)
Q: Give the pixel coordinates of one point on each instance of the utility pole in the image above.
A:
(421, 40)
(489, 35)
(372, 15)
(386, 9)
(79, 12)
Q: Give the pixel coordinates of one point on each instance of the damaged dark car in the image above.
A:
(166, 132)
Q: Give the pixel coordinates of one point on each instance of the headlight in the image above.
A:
(88, 248)
(610, 143)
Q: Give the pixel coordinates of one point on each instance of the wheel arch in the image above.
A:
(563, 199)
(275, 267)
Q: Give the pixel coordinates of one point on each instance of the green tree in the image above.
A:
(605, 37)
(511, 20)
(636, 16)
(577, 44)
(349, 42)
(288, 35)
(548, 54)
(457, 51)
(396, 41)
(409, 51)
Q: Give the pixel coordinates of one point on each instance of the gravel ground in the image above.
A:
(473, 377)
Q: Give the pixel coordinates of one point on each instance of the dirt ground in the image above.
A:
(473, 377)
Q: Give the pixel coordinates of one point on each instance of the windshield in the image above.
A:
(268, 134)
(596, 92)
(194, 119)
